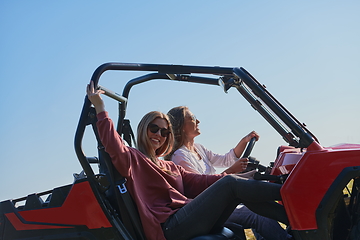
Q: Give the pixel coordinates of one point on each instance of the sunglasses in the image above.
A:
(193, 117)
(155, 128)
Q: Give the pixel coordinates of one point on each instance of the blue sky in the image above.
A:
(305, 52)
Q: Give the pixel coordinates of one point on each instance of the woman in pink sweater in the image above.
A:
(174, 203)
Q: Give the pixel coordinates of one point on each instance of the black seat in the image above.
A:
(223, 235)
(211, 237)
(33, 201)
(58, 196)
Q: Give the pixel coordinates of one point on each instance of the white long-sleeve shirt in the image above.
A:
(207, 162)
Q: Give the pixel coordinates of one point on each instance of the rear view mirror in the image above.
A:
(226, 83)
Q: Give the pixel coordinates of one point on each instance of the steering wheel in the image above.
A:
(249, 148)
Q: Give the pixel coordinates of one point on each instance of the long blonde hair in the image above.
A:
(143, 141)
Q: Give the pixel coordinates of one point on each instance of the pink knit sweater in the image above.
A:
(156, 193)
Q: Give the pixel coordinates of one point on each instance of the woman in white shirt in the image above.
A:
(194, 157)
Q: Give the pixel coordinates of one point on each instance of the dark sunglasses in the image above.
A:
(155, 128)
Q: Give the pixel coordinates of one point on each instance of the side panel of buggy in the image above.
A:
(69, 212)
(317, 197)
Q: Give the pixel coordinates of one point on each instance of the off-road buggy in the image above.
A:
(98, 205)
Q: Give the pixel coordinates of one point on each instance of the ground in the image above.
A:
(249, 234)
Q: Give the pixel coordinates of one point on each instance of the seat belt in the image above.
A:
(130, 207)
(127, 133)
(125, 203)
(128, 212)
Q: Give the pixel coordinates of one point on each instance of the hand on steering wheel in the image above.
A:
(249, 148)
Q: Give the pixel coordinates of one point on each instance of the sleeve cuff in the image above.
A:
(102, 115)
(233, 155)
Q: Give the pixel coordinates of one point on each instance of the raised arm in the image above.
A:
(120, 154)
(95, 98)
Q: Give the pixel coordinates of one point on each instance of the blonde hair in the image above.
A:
(143, 141)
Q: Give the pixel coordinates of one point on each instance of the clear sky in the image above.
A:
(305, 52)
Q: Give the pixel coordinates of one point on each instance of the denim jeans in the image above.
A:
(210, 209)
(262, 227)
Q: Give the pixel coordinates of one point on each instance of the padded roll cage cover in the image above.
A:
(260, 99)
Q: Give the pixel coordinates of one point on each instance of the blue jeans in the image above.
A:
(263, 227)
(210, 209)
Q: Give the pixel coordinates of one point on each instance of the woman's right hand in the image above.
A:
(95, 98)
(238, 166)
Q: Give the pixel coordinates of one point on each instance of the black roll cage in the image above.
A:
(295, 133)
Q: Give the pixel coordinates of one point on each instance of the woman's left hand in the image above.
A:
(248, 137)
(240, 147)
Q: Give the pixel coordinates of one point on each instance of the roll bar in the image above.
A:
(260, 99)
